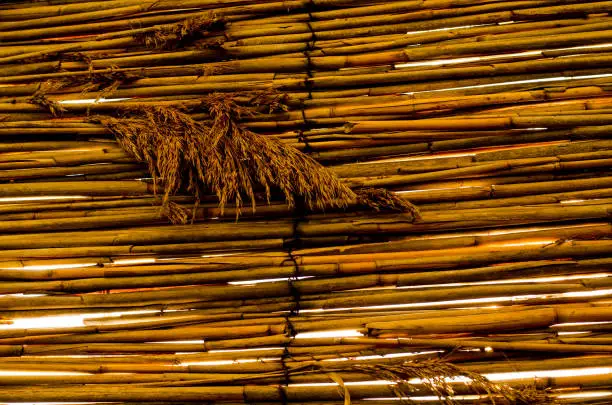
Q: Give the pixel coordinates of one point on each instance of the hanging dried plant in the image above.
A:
(223, 157)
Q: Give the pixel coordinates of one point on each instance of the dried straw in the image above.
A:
(381, 199)
(437, 376)
(40, 97)
(174, 36)
(106, 83)
(223, 157)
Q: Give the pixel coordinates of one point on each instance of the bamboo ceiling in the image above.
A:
(306, 202)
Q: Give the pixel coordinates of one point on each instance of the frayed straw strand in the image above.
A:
(381, 199)
(177, 35)
(438, 375)
(40, 97)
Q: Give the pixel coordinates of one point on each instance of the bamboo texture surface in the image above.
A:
(492, 117)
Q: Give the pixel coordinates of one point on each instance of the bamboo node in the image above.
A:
(212, 69)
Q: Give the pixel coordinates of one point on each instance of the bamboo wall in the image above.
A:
(468, 263)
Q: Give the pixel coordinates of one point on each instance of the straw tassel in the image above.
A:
(223, 157)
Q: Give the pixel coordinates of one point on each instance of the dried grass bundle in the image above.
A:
(243, 158)
(222, 157)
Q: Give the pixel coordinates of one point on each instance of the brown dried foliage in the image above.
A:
(174, 212)
(222, 157)
(178, 35)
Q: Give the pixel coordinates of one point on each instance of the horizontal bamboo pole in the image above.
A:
(490, 322)
(173, 334)
(526, 346)
(430, 19)
(513, 44)
(37, 11)
(336, 79)
(280, 289)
